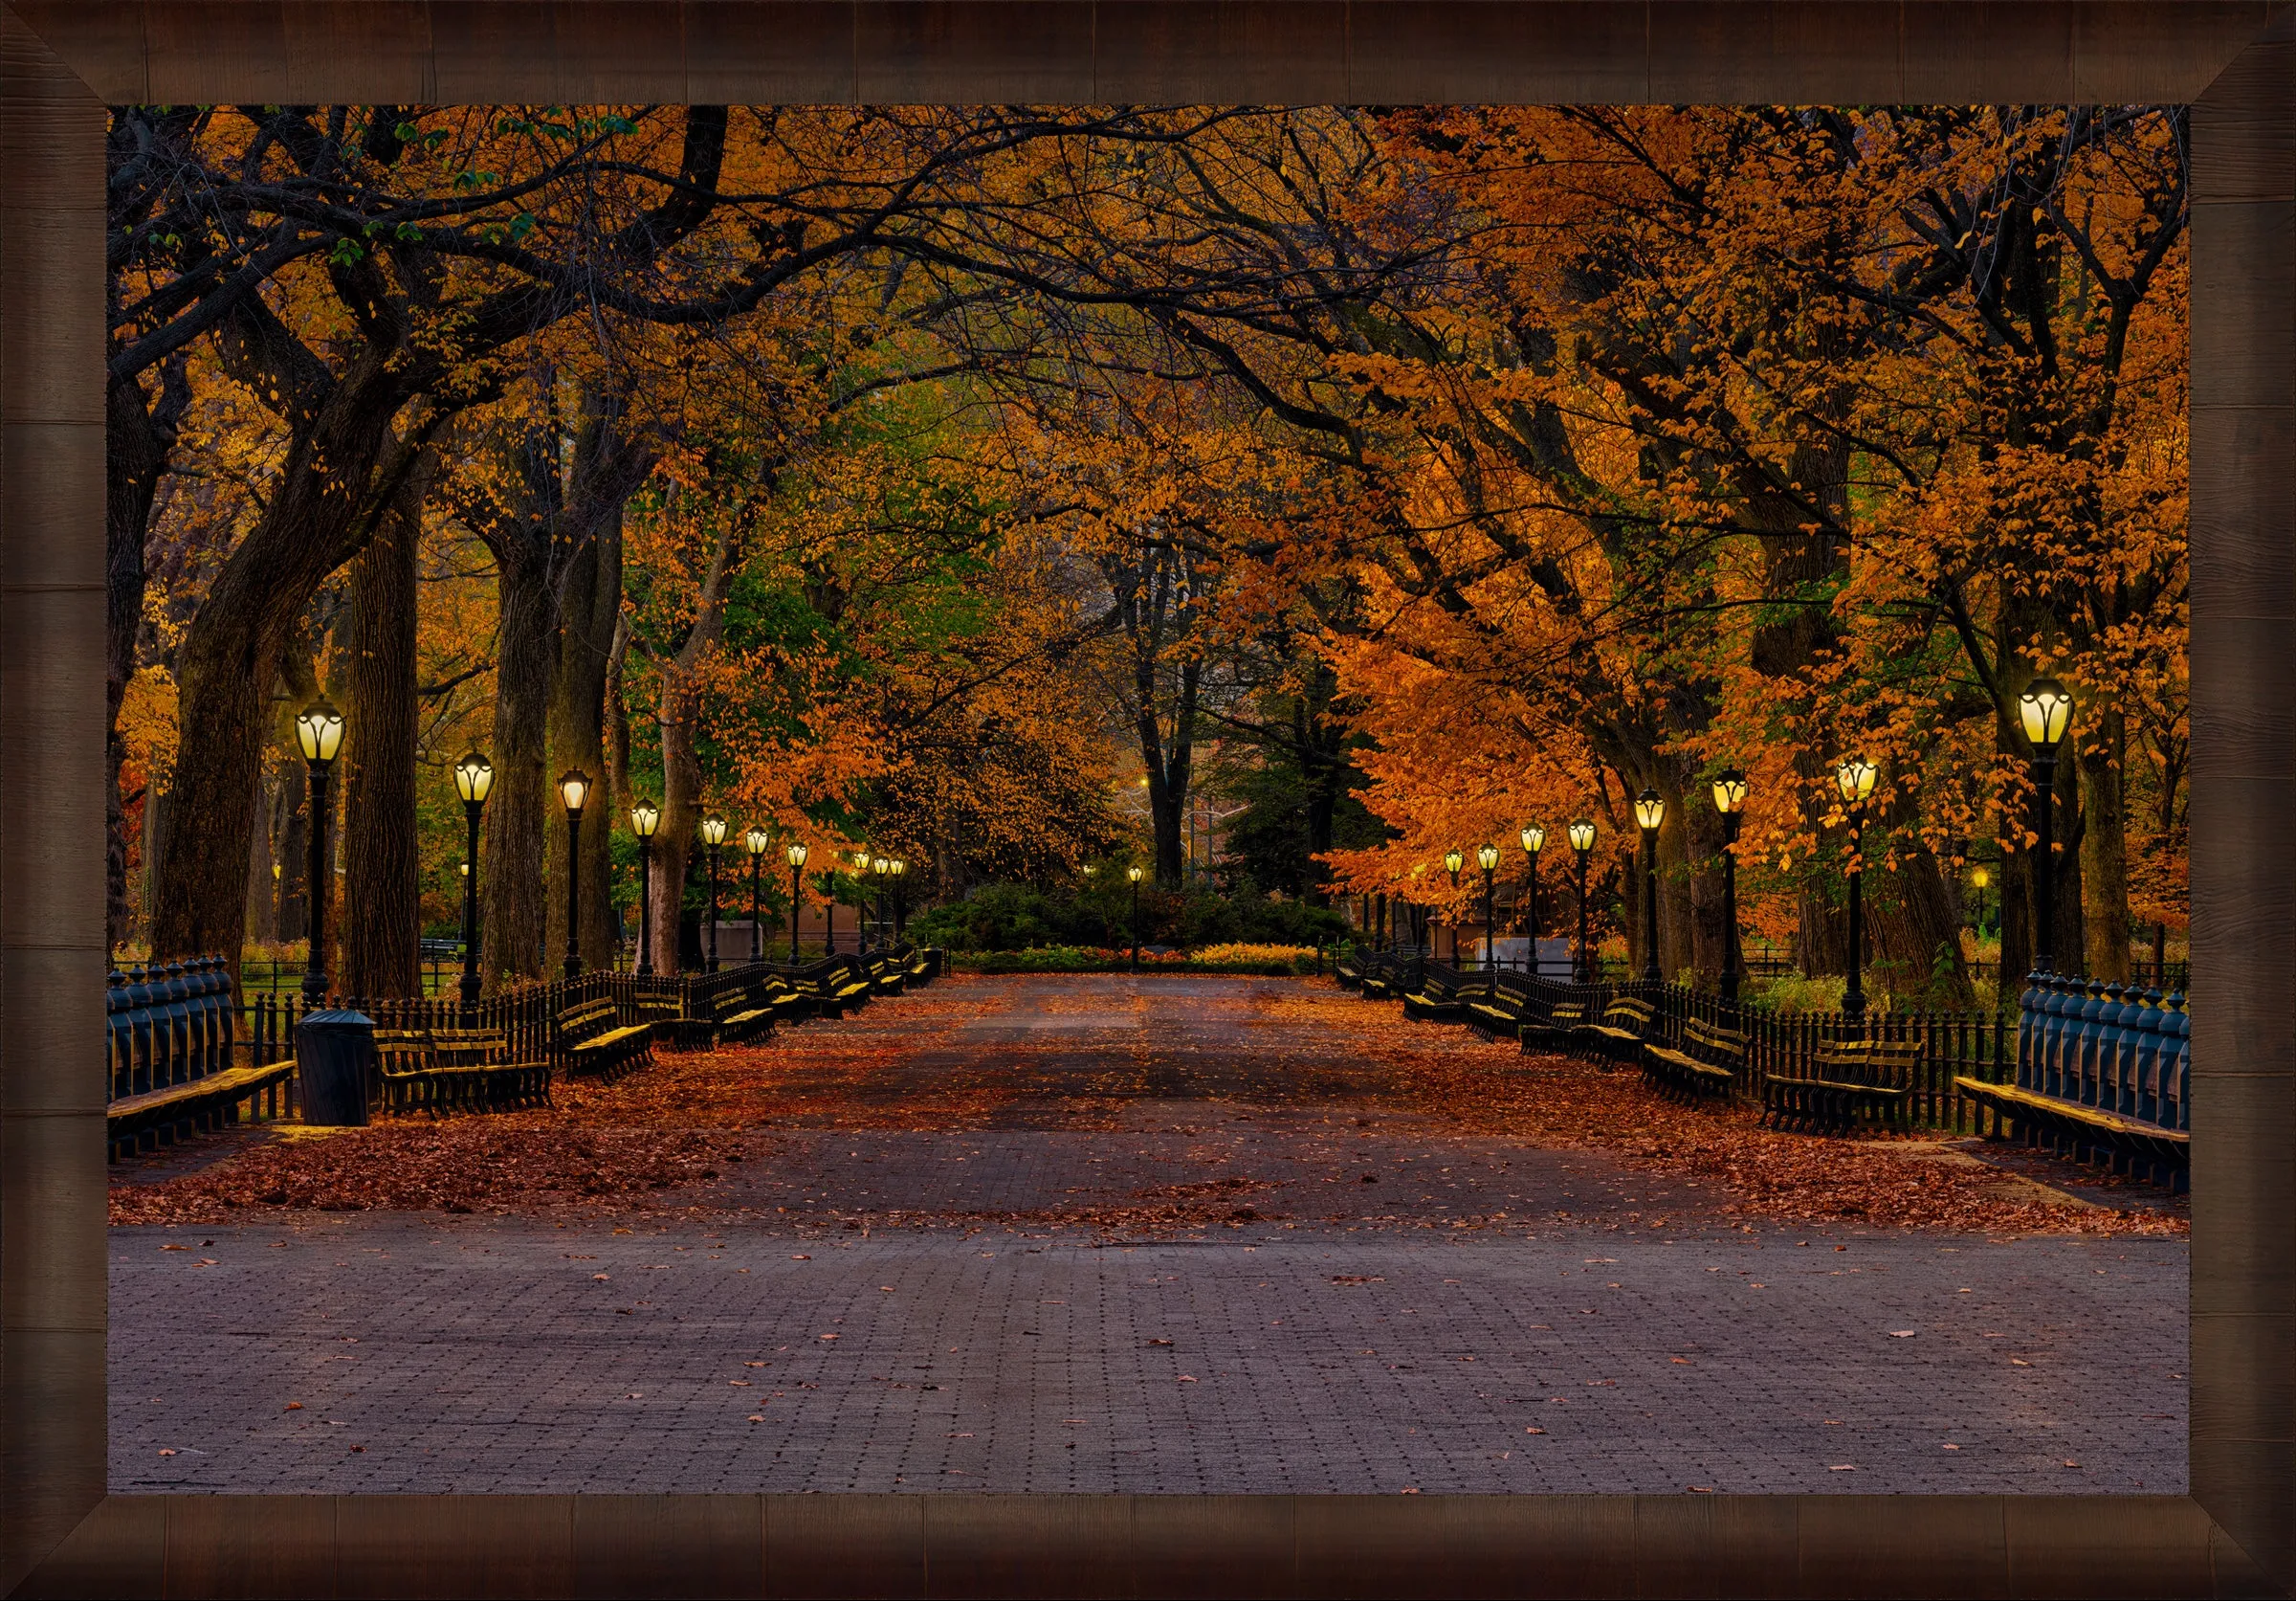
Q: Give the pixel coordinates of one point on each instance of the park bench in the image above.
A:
(835, 986)
(919, 966)
(1348, 971)
(456, 1070)
(790, 1004)
(742, 1013)
(2103, 1072)
(591, 1038)
(1708, 1062)
(1626, 1022)
(1386, 977)
(2069, 1122)
(1851, 1083)
(142, 1123)
(1499, 1012)
(1441, 997)
(886, 975)
(662, 1014)
(1563, 1020)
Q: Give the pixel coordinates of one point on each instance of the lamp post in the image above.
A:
(1534, 840)
(861, 910)
(754, 840)
(1730, 799)
(712, 835)
(1486, 858)
(574, 789)
(1650, 812)
(645, 817)
(1855, 778)
(474, 780)
(2046, 709)
(1133, 874)
(897, 869)
(319, 730)
(1583, 841)
(797, 855)
(881, 867)
(1980, 877)
(1454, 859)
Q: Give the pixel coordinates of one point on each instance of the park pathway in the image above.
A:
(1166, 1235)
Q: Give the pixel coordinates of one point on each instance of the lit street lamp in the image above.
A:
(474, 780)
(1650, 812)
(1979, 877)
(754, 840)
(796, 854)
(1730, 799)
(1583, 841)
(2046, 709)
(319, 730)
(1486, 858)
(898, 868)
(645, 817)
(1133, 874)
(882, 868)
(1855, 778)
(1534, 840)
(1453, 859)
(574, 789)
(712, 835)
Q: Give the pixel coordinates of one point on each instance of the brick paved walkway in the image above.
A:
(1307, 1339)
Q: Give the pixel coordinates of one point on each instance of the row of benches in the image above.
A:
(440, 1070)
(1845, 1084)
(182, 1084)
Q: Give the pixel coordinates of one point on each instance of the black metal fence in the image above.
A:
(2116, 1047)
(172, 1023)
(528, 1013)
(1759, 964)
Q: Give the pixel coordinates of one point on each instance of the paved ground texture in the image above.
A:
(1170, 1234)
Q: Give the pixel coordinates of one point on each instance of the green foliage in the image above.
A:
(1009, 917)
(1014, 918)
(1081, 959)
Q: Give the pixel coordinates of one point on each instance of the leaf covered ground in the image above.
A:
(1095, 1055)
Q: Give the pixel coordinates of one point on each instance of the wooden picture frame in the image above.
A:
(61, 61)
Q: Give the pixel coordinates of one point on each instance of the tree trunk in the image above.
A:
(617, 719)
(382, 920)
(2104, 845)
(1168, 765)
(294, 852)
(318, 517)
(138, 437)
(519, 814)
(156, 808)
(589, 606)
(681, 815)
(2016, 920)
(1917, 931)
(680, 704)
(262, 888)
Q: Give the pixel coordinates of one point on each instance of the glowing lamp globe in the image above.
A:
(473, 778)
(319, 730)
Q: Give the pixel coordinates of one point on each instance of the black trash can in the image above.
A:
(335, 1067)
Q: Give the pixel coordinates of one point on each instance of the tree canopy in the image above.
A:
(962, 481)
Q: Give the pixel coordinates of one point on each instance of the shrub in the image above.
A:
(1021, 917)
(1276, 961)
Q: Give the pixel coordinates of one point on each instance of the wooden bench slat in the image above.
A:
(2015, 1097)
